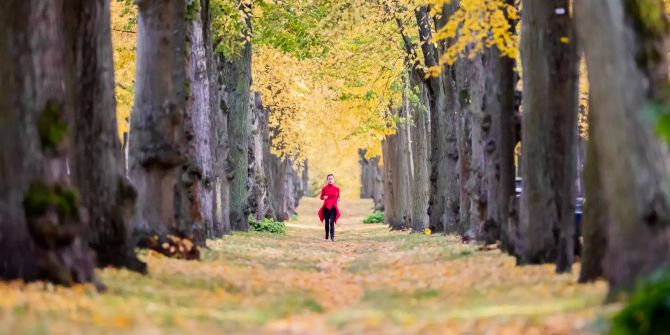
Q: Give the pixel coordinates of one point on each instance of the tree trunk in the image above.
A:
(378, 189)
(281, 182)
(41, 226)
(222, 173)
(367, 175)
(198, 125)
(464, 136)
(158, 167)
(474, 186)
(497, 145)
(594, 221)
(305, 180)
(258, 195)
(469, 93)
(396, 202)
(420, 148)
(292, 187)
(389, 153)
(550, 62)
(97, 162)
(444, 196)
(238, 85)
(625, 47)
(272, 170)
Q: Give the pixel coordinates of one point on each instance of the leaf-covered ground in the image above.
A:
(369, 281)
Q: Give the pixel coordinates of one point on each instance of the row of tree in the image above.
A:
(198, 153)
(474, 119)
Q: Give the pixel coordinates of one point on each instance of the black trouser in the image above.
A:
(329, 220)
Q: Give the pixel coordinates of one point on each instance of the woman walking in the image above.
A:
(329, 212)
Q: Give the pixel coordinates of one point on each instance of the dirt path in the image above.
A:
(369, 281)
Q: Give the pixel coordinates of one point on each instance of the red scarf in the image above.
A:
(333, 194)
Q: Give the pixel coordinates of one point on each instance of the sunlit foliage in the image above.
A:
(475, 26)
(124, 39)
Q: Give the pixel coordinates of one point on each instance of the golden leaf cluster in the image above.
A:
(477, 25)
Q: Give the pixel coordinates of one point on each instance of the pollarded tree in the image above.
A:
(625, 46)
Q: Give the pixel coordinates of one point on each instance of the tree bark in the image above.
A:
(444, 196)
(367, 175)
(389, 154)
(464, 140)
(378, 190)
(158, 167)
(293, 188)
(396, 155)
(420, 148)
(41, 223)
(497, 145)
(222, 173)
(549, 57)
(97, 163)
(259, 202)
(594, 221)
(469, 93)
(238, 84)
(278, 188)
(305, 180)
(470, 88)
(198, 125)
(625, 48)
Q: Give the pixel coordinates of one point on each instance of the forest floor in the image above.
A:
(369, 281)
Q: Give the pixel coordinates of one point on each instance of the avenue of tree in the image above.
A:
(220, 108)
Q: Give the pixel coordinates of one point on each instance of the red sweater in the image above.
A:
(333, 194)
